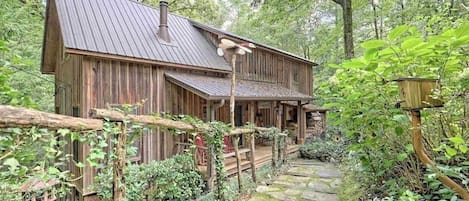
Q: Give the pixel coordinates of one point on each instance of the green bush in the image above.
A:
(171, 179)
(330, 148)
(323, 150)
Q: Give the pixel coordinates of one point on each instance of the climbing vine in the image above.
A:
(214, 138)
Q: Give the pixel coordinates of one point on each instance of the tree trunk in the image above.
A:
(375, 19)
(348, 27)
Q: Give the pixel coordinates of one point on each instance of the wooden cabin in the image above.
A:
(113, 52)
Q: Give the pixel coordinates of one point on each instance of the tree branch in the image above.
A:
(340, 2)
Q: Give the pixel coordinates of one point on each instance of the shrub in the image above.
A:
(171, 179)
(323, 150)
(330, 148)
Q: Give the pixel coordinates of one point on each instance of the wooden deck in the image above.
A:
(263, 156)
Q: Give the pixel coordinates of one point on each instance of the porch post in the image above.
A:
(252, 142)
(299, 118)
(210, 110)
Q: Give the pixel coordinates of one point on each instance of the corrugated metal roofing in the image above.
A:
(216, 88)
(128, 28)
(219, 31)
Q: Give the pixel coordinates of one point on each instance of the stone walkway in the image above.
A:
(305, 180)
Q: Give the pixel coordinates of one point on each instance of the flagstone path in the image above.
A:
(305, 180)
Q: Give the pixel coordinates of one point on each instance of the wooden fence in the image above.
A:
(14, 117)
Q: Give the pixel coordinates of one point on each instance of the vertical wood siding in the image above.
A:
(113, 82)
(266, 66)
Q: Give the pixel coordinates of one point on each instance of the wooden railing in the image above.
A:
(12, 117)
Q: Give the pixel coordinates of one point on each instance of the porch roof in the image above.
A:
(217, 88)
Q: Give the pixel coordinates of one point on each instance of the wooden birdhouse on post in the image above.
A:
(417, 93)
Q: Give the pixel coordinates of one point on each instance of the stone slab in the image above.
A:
(317, 196)
(329, 173)
(319, 186)
(281, 196)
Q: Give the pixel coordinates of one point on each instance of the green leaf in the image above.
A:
(463, 148)
(462, 31)
(399, 130)
(371, 54)
(411, 43)
(334, 66)
(63, 132)
(402, 156)
(397, 32)
(456, 139)
(373, 44)
(460, 41)
(354, 63)
(409, 148)
(53, 171)
(450, 152)
(12, 163)
(401, 118)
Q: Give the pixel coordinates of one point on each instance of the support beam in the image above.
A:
(299, 121)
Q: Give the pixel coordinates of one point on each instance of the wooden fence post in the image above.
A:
(285, 149)
(119, 164)
(252, 145)
(238, 161)
(211, 167)
(274, 151)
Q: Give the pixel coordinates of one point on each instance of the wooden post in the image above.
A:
(299, 123)
(211, 167)
(211, 154)
(233, 86)
(279, 126)
(232, 117)
(285, 149)
(274, 151)
(238, 160)
(119, 164)
(252, 159)
(417, 141)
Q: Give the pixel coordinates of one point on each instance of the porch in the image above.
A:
(262, 156)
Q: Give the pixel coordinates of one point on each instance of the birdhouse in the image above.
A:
(418, 93)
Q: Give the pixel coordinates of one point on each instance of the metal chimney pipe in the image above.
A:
(163, 28)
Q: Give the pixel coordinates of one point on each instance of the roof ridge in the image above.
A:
(215, 29)
(157, 8)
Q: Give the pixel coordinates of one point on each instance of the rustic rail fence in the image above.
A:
(15, 117)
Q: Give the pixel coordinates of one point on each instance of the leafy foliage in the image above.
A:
(205, 11)
(21, 33)
(29, 155)
(170, 179)
(365, 100)
(323, 150)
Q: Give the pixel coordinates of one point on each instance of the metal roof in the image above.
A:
(129, 28)
(217, 88)
(219, 31)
